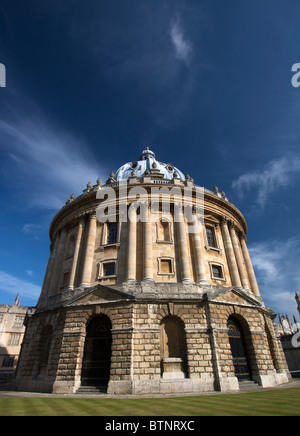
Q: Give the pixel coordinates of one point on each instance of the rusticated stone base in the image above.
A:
(143, 325)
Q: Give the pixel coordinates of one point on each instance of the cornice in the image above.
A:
(87, 203)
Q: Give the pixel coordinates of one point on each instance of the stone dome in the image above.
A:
(148, 164)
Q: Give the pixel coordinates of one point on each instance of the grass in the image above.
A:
(283, 402)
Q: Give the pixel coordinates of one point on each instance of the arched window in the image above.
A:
(173, 348)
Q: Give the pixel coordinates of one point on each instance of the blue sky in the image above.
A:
(206, 84)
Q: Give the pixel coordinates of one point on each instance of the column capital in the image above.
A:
(243, 237)
(224, 220)
(231, 224)
(92, 215)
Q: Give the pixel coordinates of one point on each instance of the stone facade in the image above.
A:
(145, 306)
(12, 331)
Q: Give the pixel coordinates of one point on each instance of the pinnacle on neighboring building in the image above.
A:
(17, 300)
(298, 301)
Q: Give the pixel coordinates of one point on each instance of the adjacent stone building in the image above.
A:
(158, 296)
(12, 332)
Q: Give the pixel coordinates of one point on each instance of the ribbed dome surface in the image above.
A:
(147, 163)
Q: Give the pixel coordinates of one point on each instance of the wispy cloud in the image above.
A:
(183, 47)
(277, 272)
(32, 230)
(46, 163)
(30, 273)
(277, 174)
(13, 285)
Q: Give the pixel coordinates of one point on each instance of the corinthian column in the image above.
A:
(183, 248)
(238, 256)
(89, 253)
(131, 246)
(233, 268)
(200, 266)
(81, 225)
(249, 266)
(58, 260)
(148, 259)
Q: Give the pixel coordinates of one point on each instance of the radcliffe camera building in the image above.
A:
(157, 305)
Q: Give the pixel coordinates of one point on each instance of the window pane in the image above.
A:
(8, 362)
(14, 339)
(112, 233)
(18, 321)
(217, 272)
(109, 269)
(211, 237)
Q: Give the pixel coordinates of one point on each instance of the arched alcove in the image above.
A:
(173, 348)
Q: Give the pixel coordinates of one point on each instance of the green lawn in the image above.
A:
(284, 402)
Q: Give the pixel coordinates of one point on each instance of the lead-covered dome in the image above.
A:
(148, 164)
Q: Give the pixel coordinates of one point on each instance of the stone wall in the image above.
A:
(136, 358)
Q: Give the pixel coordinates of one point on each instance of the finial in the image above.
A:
(17, 300)
(147, 148)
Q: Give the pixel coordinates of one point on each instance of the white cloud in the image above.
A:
(13, 285)
(30, 273)
(183, 47)
(28, 228)
(47, 163)
(276, 175)
(278, 274)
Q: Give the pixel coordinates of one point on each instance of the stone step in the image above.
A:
(91, 390)
(249, 385)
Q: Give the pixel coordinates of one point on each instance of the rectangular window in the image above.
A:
(166, 266)
(217, 272)
(8, 362)
(109, 269)
(18, 321)
(112, 233)
(14, 339)
(211, 237)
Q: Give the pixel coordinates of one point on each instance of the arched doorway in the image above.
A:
(44, 350)
(238, 350)
(97, 352)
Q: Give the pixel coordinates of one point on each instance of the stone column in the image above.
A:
(80, 230)
(58, 261)
(183, 247)
(90, 250)
(233, 268)
(48, 275)
(238, 256)
(249, 266)
(131, 246)
(148, 259)
(200, 266)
